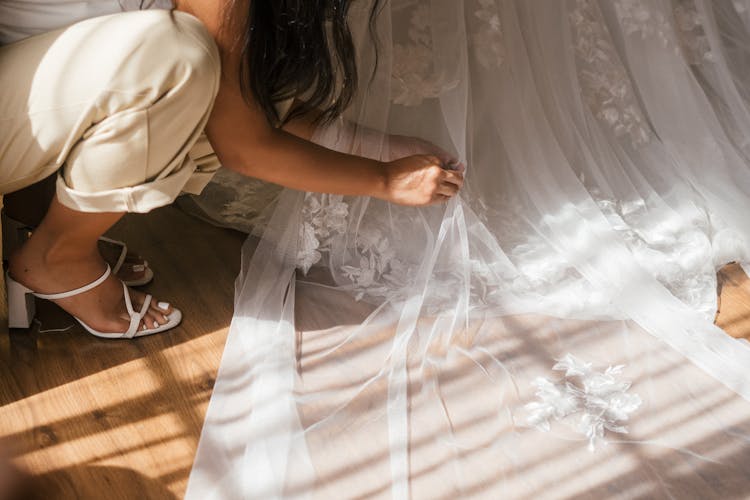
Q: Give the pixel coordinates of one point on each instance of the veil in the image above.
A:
(546, 334)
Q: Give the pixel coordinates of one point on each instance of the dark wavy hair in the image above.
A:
(291, 47)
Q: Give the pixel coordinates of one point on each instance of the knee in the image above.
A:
(158, 85)
(187, 55)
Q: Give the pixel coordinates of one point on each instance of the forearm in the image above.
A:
(244, 140)
(283, 158)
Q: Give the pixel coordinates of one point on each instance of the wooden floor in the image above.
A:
(88, 416)
(85, 416)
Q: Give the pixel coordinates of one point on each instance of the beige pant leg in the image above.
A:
(116, 103)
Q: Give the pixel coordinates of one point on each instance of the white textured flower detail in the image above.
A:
(677, 254)
(600, 400)
(692, 37)
(324, 217)
(488, 39)
(307, 252)
(413, 75)
(237, 201)
(604, 81)
(379, 273)
(643, 18)
(371, 264)
(556, 402)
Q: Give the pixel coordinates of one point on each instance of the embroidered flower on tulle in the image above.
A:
(379, 273)
(676, 253)
(372, 266)
(600, 400)
(413, 75)
(488, 38)
(238, 201)
(692, 37)
(604, 81)
(642, 17)
(324, 217)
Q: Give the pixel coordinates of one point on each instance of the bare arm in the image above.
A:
(245, 142)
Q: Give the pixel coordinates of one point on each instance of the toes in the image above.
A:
(162, 307)
(153, 320)
(157, 313)
(157, 317)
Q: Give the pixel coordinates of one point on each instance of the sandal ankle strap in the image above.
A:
(77, 291)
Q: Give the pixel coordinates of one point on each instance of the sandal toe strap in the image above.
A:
(146, 304)
(135, 317)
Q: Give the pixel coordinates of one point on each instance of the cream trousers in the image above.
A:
(116, 104)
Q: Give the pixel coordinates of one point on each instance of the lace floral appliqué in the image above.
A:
(604, 82)
(488, 38)
(693, 40)
(324, 217)
(372, 268)
(639, 17)
(413, 77)
(600, 400)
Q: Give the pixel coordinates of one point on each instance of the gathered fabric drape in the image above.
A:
(548, 333)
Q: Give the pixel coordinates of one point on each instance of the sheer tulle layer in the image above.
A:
(548, 333)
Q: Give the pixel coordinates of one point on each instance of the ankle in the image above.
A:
(54, 252)
(65, 251)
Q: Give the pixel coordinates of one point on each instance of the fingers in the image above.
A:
(447, 184)
(439, 199)
(434, 160)
(447, 160)
(453, 177)
(447, 189)
(451, 165)
(457, 166)
(420, 180)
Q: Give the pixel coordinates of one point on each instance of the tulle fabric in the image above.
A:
(548, 333)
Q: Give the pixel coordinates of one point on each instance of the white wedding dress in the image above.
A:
(547, 334)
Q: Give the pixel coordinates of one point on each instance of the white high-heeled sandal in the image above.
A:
(22, 308)
(15, 234)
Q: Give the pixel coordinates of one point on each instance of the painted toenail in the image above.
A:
(163, 305)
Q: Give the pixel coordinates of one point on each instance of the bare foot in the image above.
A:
(102, 308)
(133, 268)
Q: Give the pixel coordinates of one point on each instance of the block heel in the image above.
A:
(21, 304)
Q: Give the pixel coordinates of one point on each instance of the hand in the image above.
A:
(420, 180)
(400, 146)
